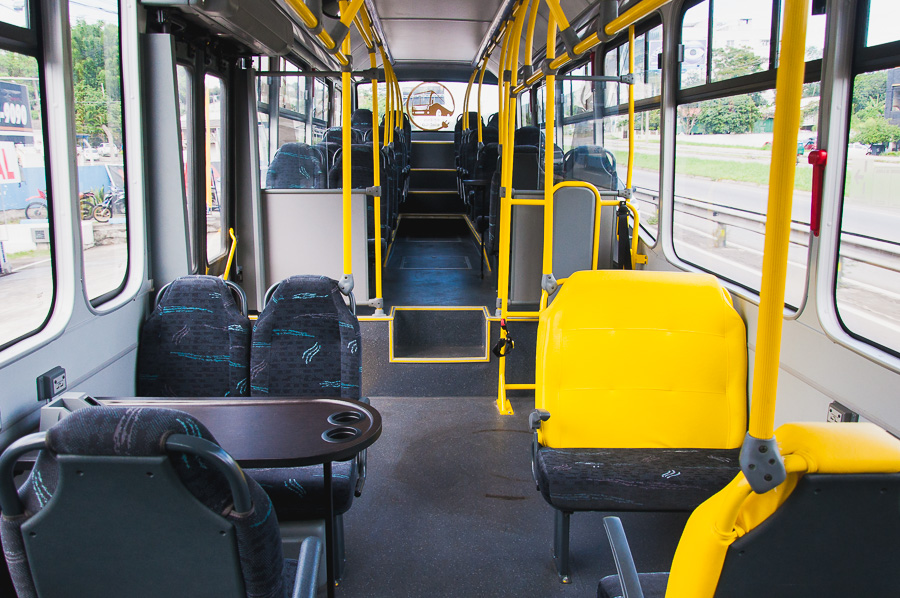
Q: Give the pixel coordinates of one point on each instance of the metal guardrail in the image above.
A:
(860, 248)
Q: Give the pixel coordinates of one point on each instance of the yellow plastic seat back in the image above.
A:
(640, 359)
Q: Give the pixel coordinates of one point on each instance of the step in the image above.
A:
(449, 334)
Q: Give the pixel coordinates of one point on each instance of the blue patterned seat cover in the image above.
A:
(306, 343)
(141, 432)
(296, 166)
(196, 343)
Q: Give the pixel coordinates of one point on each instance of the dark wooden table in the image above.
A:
(288, 432)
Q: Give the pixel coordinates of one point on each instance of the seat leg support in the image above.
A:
(561, 544)
(339, 557)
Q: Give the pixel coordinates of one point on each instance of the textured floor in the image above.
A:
(449, 509)
(436, 262)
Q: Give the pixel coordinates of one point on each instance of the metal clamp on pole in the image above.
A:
(627, 79)
(315, 7)
(549, 284)
(625, 194)
(373, 191)
(526, 71)
(345, 284)
(570, 39)
(609, 12)
(762, 464)
(338, 33)
(547, 69)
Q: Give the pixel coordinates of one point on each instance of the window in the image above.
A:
(320, 110)
(338, 107)
(525, 117)
(612, 133)
(215, 155)
(867, 281)
(186, 118)
(723, 143)
(99, 128)
(26, 241)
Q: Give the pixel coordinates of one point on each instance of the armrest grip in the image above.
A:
(628, 575)
(307, 568)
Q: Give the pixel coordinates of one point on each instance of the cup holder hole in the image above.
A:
(343, 418)
(342, 434)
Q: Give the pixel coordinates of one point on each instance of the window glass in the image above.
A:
(868, 278)
(364, 97)
(647, 75)
(578, 96)
(575, 134)
(614, 139)
(215, 153)
(320, 100)
(336, 120)
(611, 69)
(722, 158)
(525, 117)
(14, 12)
(185, 99)
(882, 26)
(695, 39)
(742, 33)
(292, 117)
(26, 257)
(541, 103)
(100, 133)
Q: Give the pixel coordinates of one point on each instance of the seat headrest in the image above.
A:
(529, 136)
(361, 117)
(187, 292)
(121, 431)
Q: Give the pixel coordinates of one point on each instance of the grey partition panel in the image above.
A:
(303, 232)
(573, 241)
(166, 210)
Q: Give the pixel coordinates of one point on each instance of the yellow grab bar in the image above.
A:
(230, 253)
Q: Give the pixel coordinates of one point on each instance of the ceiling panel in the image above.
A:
(461, 10)
(434, 40)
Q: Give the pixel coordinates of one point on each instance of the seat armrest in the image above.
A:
(534, 420)
(306, 582)
(628, 575)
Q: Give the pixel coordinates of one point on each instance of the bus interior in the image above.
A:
(597, 283)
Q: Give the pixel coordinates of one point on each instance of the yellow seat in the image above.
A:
(830, 529)
(641, 394)
(639, 359)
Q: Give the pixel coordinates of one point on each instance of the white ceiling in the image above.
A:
(442, 31)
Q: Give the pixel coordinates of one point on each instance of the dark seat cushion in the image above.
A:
(633, 479)
(653, 585)
(299, 492)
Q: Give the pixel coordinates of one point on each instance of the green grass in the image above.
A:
(34, 253)
(725, 170)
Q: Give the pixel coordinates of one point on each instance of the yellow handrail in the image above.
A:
(346, 153)
(480, 84)
(466, 100)
(632, 16)
(376, 158)
(309, 19)
(788, 90)
(230, 253)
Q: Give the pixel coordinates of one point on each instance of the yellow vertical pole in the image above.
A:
(508, 116)
(630, 172)
(501, 86)
(376, 156)
(346, 171)
(466, 101)
(549, 141)
(788, 90)
(480, 85)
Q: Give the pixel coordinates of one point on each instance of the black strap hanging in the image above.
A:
(504, 345)
(624, 238)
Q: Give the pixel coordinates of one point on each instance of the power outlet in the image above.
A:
(51, 383)
(838, 413)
